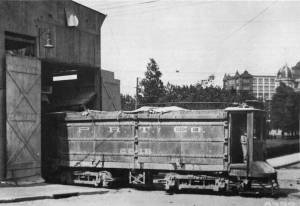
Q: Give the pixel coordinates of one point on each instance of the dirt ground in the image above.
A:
(289, 196)
(127, 196)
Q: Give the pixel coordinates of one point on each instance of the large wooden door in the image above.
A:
(23, 110)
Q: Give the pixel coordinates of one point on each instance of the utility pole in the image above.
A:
(136, 92)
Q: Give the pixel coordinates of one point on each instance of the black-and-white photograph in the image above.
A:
(149, 102)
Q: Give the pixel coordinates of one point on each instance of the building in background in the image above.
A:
(284, 75)
(264, 86)
(296, 76)
(111, 97)
(289, 76)
(261, 86)
(239, 82)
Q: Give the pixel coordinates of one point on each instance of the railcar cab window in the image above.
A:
(259, 134)
(258, 127)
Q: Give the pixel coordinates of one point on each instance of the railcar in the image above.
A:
(198, 149)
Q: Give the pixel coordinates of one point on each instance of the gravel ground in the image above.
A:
(290, 196)
(126, 197)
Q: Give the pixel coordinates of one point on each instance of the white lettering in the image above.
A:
(180, 129)
(114, 129)
(196, 129)
(145, 129)
(141, 151)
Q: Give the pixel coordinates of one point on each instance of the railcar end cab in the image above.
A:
(247, 151)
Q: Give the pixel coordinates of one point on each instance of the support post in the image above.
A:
(98, 89)
(250, 117)
(136, 93)
(2, 109)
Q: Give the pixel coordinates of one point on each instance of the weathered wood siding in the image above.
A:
(79, 45)
(23, 124)
(72, 45)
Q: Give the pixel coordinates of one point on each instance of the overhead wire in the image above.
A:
(159, 8)
(250, 21)
(155, 8)
(247, 23)
(133, 4)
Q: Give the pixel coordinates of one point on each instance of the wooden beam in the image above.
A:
(2, 109)
(250, 135)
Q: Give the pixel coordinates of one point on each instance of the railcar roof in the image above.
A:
(121, 115)
(167, 114)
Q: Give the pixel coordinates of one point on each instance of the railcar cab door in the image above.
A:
(259, 136)
(246, 139)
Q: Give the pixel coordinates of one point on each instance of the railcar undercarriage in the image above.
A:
(175, 182)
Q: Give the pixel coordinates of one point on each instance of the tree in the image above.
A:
(202, 93)
(285, 109)
(152, 86)
(152, 90)
(127, 102)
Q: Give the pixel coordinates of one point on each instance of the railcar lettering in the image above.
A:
(197, 130)
(114, 129)
(180, 129)
(141, 151)
(145, 129)
(80, 129)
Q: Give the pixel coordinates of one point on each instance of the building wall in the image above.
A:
(111, 97)
(246, 84)
(264, 87)
(73, 45)
(238, 82)
(80, 45)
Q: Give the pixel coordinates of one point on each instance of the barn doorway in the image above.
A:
(66, 87)
(69, 87)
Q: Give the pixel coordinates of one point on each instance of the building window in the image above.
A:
(19, 44)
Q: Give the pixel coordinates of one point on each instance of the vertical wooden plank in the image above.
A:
(229, 136)
(262, 133)
(250, 135)
(97, 51)
(98, 103)
(2, 109)
(226, 144)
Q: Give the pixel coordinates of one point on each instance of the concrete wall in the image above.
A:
(111, 97)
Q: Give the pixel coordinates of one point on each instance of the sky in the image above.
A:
(197, 38)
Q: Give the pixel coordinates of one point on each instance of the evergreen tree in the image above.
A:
(152, 87)
(127, 102)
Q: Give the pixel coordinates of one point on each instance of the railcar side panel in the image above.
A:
(99, 144)
(181, 143)
(118, 140)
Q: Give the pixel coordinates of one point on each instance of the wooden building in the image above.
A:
(50, 53)
(111, 98)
